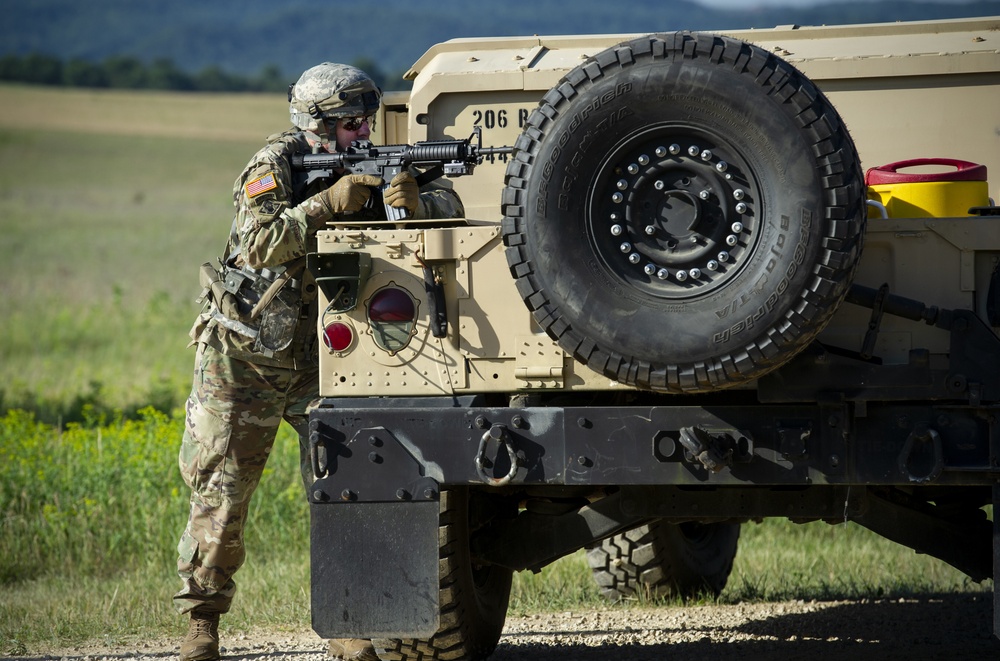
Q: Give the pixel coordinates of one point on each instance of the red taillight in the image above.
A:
(338, 336)
(392, 313)
(391, 304)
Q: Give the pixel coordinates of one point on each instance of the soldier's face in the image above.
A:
(350, 129)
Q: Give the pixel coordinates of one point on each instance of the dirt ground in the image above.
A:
(946, 627)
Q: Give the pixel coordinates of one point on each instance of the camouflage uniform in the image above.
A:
(256, 360)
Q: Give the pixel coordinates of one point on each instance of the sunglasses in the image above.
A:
(354, 123)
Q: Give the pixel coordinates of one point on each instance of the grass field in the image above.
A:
(110, 202)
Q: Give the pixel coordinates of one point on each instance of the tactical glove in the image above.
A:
(349, 194)
(403, 192)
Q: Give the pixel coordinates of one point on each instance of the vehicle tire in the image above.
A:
(473, 598)
(683, 212)
(661, 559)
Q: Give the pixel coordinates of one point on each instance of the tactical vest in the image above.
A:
(264, 316)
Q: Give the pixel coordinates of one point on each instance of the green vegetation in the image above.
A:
(125, 72)
(89, 521)
(110, 202)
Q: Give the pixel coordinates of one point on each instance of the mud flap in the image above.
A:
(375, 569)
(996, 562)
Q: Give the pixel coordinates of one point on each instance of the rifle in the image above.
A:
(452, 158)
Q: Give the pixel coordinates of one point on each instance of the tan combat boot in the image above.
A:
(202, 640)
(352, 649)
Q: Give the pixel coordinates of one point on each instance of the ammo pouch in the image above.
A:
(261, 305)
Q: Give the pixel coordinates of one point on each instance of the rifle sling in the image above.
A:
(427, 176)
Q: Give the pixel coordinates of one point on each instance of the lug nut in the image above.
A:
(650, 269)
(737, 228)
(706, 155)
(650, 230)
(675, 149)
(742, 208)
(659, 185)
(663, 274)
(633, 169)
(616, 230)
(723, 257)
(622, 184)
(635, 258)
(617, 198)
(731, 240)
(694, 273)
(644, 160)
(712, 265)
(704, 195)
(625, 247)
(661, 151)
(682, 276)
(739, 194)
(722, 166)
(694, 150)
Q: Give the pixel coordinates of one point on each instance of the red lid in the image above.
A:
(889, 174)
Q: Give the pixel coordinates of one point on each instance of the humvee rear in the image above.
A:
(677, 306)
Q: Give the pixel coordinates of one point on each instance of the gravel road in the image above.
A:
(947, 627)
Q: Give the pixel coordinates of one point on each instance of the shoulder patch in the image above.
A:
(261, 185)
(270, 207)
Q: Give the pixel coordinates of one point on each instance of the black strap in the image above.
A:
(427, 176)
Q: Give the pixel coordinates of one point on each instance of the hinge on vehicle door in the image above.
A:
(539, 362)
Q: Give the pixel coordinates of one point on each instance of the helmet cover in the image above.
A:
(328, 91)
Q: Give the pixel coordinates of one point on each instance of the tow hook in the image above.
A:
(503, 439)
(317, 451)
(717, 450)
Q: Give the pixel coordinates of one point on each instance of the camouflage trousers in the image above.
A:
(232, 418)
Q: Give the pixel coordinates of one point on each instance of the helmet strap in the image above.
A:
(317, 140)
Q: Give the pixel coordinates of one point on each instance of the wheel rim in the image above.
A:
(675, 212)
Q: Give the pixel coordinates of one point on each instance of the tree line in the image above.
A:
(128, 72)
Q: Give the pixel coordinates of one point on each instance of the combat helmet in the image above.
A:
(329, 90)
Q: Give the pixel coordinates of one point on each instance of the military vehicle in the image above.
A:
(719, 277)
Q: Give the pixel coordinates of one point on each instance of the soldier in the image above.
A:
(256, 336)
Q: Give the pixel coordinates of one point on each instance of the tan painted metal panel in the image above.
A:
(907, 90)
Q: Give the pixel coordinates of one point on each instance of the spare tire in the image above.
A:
(684, 212)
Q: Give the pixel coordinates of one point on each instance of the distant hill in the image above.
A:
(245, 36)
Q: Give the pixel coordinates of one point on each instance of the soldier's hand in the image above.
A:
(349, 194)
(403, 192)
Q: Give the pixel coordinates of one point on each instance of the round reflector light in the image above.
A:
(338, 336)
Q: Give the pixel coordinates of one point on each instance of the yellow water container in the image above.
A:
(955, 188)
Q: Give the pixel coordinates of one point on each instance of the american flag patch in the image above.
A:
(261, 185)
